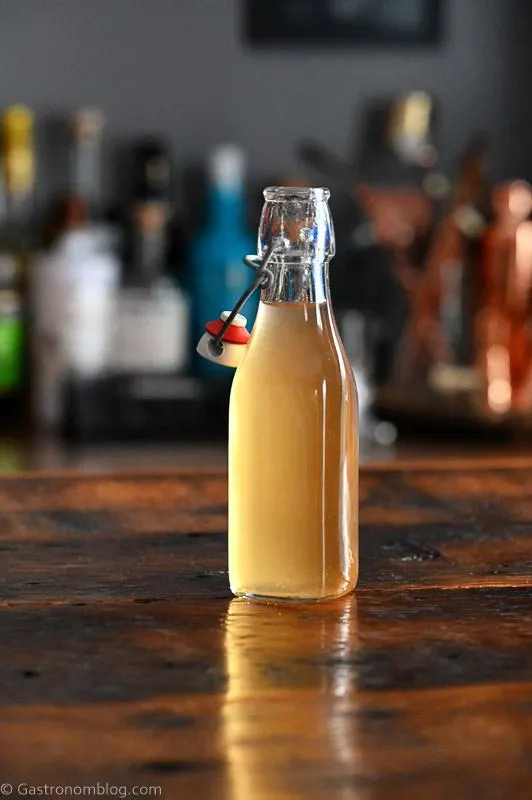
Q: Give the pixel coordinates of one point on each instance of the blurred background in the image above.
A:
(136, 138)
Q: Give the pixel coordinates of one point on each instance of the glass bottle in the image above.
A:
(293, 439)
(11, 319)
(16, 246)
(152, 324)
(398, 147)
(152, 171)
(74, 282)
(81, 207)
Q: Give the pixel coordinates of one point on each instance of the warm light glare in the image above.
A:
(499, 395)
(520, 199)
(499, 386)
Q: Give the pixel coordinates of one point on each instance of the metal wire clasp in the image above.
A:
(263, 280)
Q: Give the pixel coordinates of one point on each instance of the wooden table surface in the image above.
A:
(123, 658)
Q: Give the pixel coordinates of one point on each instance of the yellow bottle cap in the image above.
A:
(18, 148)
(18, 119)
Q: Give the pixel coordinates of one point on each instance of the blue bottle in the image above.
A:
(217, 274)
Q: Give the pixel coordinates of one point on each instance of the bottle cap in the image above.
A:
(19, 157)
(234, 341)
(236, 333)
(18, 118)
(240, 320)
(88, 123)
(227, 165)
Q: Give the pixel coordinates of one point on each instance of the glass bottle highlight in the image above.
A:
(293, 437)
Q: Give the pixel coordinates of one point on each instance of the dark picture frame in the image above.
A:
(326, 23)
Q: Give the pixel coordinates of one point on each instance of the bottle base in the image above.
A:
(263, 597)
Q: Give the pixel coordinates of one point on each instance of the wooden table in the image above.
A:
(125, 660)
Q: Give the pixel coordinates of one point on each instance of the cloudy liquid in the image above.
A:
(293, 459)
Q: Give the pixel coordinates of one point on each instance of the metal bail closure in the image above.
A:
(225, 339)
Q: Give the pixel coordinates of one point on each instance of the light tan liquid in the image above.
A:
(293, 459)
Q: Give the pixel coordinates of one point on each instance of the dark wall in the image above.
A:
(515, 125)
(178, 66)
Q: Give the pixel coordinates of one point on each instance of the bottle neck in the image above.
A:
(150, 248)
(150, 258)
(226, 208)
(297, 230)
(20, 207)
(298, 280)
(86, 174)
(19, 218)
(19, 172)
(153, 174)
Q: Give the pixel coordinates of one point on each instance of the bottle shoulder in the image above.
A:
(286, 347)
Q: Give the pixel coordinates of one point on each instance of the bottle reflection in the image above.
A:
(289, 699)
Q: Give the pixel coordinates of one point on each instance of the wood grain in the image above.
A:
(123, 657)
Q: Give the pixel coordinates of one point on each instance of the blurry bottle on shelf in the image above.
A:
(74, 283)
(442, 291)
(83, 206)
(146, 393)
(152, 318)
(11, 324)
(17, 244)
(87, 128)
(436, 372)
(502, 330)
(401, 186)
(454, 274)
(154, 182)
(356, 331)
(19, 163)
(74, 291)
(397, 150)
(387, 203)
(152, 172)
(399, 146)
(520, 306)
(217, 274)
